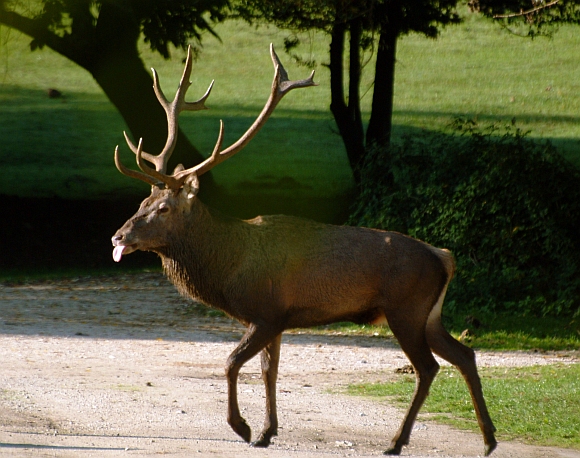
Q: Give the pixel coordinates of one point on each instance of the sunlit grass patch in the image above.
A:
(538, 405)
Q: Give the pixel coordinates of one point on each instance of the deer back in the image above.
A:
(297, 271)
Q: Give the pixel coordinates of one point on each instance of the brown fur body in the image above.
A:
(291, 272)
(274, 273)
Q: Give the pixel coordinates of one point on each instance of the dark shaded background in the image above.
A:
(42, 234)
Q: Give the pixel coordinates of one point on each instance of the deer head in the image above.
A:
(172, 195)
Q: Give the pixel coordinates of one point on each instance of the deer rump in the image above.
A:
(273, 273)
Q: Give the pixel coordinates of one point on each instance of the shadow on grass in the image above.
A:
(568, 147)
(53, 146)
(43, 235)
(508, 332)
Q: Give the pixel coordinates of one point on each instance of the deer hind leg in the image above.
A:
(270, 361)
(414, 343)
(462, 357)
(255, 339)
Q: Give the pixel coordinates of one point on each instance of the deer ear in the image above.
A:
(191, 185)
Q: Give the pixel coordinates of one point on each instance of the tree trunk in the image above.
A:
(380, 124)
(109, 52)
(120, 72)
(347, 114)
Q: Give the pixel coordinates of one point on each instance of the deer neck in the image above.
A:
(202, 253)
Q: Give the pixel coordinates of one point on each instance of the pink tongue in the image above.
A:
(118, 253)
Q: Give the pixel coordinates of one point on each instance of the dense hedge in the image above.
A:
(508, 208)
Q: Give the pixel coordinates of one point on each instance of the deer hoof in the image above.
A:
(396, 450)
(262, 442)
(242, 429)
(490, 447)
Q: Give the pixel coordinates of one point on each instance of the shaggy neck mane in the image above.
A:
(202, 252)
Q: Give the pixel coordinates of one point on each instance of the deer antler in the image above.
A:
(133, 173)
(281, 85)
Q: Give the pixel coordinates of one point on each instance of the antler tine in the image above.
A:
(214, 159)
(132, 173)
(173, 109)
(281, 85)
(161, 177)
(132, 147)
(285, 85)
(149, 175)
(160, 161)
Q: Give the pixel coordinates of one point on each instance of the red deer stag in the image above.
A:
(274, 273)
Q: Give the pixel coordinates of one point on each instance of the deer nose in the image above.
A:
(116, 238)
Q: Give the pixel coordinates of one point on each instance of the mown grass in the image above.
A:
(493, 332)
(477, 70)
(516, 332)
(537, 405)
(64, 146)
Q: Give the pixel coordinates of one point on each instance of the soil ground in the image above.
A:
(117, 366)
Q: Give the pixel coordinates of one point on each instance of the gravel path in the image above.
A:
(111, 367)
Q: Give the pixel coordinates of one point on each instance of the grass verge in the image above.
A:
(515, 332)
(474, 70)
(492, 332)
(537, 405)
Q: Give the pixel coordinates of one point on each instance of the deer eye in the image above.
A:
(163, 208)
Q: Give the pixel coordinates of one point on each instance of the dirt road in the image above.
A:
(110, 367)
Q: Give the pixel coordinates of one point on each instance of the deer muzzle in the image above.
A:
(121, 248)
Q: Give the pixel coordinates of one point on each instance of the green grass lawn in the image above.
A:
(64, 146)
(500, 332)
(537, 405)
(477, 70)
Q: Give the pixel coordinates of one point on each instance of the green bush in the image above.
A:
(508, 208)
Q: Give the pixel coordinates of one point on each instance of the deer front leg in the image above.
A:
(270, 361)
(422, 384)
(255, 339)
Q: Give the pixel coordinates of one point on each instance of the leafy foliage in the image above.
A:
(162, 22)
(168, 21)
(535, 18)
(423, 16)
(508, 208)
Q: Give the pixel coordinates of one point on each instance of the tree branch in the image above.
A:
(525, 13)
(380, 122)
(354, 73)
(347, 115)
(30, 27)
(65, 45)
